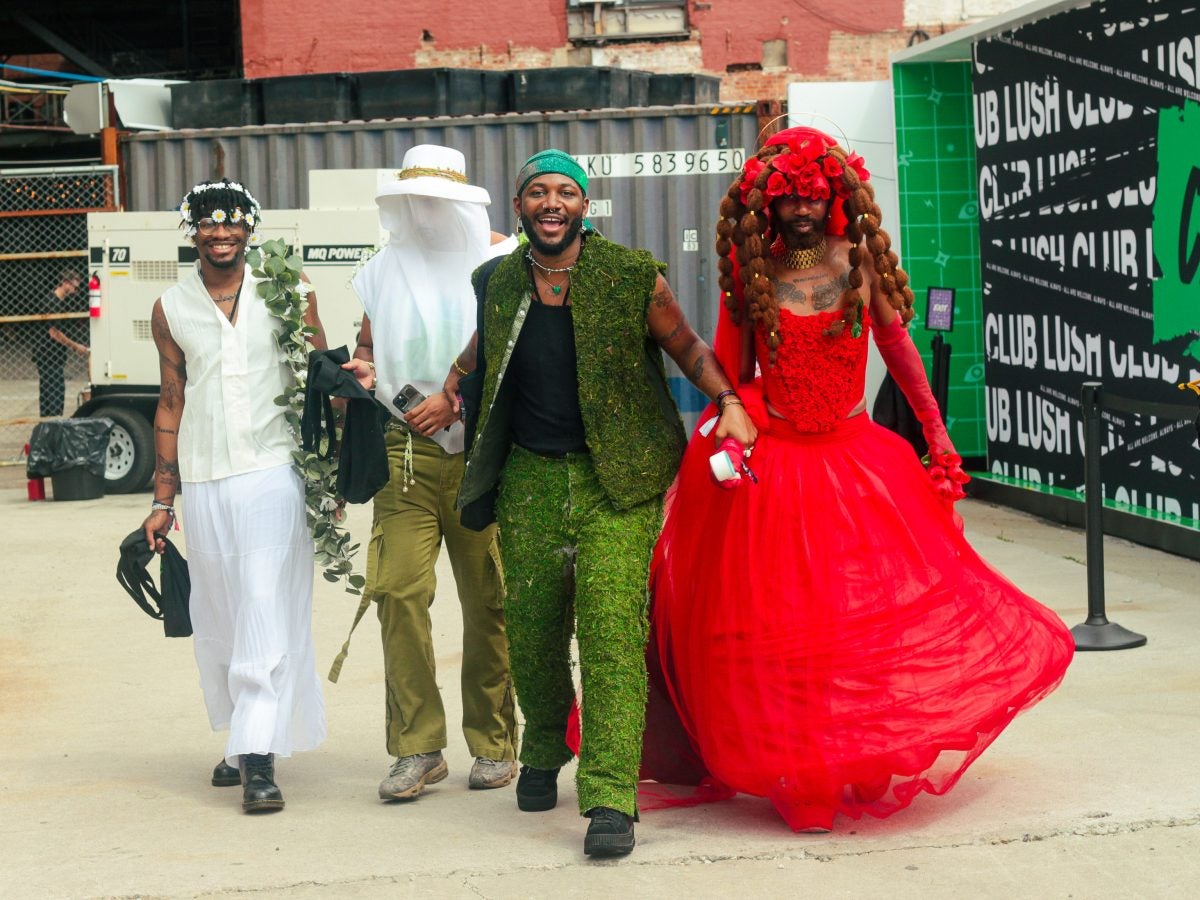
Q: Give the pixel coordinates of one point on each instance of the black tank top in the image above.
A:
(546, 417)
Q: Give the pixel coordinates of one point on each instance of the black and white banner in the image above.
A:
(1087, 129)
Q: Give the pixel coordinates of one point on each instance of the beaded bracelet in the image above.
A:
(158, 505)
(722, 400)
(458, 367)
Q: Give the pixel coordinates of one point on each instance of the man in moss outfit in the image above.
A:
(578, 438)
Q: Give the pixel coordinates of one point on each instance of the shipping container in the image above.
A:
(299, 98)
(656, 175)
(221, 103)
(578, 87)
(676, 89)
(406, 93)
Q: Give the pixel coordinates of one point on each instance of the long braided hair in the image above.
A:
(808, 163)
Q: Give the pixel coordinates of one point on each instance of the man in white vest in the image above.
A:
(420, 310)
(219, 436)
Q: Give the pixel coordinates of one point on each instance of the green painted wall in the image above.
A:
(939, 230)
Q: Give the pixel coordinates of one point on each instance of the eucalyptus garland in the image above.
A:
(285, 294)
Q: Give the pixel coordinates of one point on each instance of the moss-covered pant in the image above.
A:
(566, 550)
(405, 541)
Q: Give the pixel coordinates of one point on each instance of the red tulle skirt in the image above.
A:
(827, 637)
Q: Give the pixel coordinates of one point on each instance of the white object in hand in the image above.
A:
(722, 467)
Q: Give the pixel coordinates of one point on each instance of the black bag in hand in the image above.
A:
(362, 460)
(171, 605)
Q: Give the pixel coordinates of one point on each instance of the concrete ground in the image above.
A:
(105, 755)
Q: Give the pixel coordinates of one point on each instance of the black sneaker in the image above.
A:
(609, 834)
(537, 789)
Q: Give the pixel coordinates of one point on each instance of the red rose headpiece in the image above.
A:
(804, 168)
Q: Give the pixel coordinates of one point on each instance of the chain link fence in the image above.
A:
(43, 294)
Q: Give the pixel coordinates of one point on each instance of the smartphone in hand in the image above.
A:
(407, 399)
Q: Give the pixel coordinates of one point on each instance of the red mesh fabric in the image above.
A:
(827, 637)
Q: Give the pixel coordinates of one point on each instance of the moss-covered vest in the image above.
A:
(630, 420)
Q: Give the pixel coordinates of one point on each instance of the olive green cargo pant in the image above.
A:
(406, 538)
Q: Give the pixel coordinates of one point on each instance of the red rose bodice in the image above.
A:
(817, 378)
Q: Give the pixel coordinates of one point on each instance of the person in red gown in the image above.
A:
(826, 635)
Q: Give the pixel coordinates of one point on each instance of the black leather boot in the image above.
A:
(259, 792)
(225, 775)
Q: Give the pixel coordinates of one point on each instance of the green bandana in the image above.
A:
(551, 161)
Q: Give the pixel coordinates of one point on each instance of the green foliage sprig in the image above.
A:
(285, 295)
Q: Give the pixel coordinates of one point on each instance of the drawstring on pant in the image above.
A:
(408, 479)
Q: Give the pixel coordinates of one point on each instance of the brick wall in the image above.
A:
(954, 12)
(863, 57)
(367, 35)
(730, 39)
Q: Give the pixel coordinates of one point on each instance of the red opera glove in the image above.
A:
(904, 362)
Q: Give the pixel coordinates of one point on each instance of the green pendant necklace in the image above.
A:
(548, 270)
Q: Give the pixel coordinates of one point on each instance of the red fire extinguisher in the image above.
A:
(94, 296)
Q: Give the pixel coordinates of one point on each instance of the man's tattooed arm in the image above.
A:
(166, 478)
(668, 326)
(173, 380)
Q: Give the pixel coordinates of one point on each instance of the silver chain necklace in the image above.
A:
(549, 269)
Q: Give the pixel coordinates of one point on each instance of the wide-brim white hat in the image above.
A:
(429, 170)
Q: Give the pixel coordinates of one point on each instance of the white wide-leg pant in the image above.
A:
(250, 557)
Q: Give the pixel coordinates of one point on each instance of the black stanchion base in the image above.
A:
(1105, 635)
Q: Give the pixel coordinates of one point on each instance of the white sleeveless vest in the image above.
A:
(231, 424)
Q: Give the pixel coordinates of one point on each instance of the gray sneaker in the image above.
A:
(409, 775)
(491, 773)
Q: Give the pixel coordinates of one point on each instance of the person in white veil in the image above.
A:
(420, 311)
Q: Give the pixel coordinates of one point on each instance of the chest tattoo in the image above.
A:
(822, 292)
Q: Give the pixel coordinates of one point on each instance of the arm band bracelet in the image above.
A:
(458, 367)
(721, 399)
